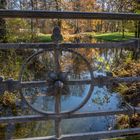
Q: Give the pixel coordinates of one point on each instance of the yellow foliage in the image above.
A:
(18, 30)
(8, 99)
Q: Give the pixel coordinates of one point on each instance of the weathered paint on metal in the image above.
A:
(67, 15)
(123, 44)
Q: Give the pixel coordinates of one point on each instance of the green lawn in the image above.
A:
(129, 138)
(44, 37)
(116, 36)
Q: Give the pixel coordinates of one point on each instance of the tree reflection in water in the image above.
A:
(102, 60)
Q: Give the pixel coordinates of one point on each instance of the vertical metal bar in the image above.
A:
(57, 121)
(57, 97)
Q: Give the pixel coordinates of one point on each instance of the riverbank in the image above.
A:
(115, 36)
(128, 67)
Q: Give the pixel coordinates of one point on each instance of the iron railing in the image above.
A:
(61, 80)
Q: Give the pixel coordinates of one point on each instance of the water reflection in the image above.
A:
(101, 99)
(102, 60)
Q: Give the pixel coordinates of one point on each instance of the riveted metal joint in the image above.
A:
(57, 81)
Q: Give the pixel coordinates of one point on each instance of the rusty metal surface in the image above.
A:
(124, 44)
(29, 118)
(93, 135)
(104, 80)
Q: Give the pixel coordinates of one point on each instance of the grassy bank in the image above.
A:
(44, 37)
(116, 36)
(129, 138)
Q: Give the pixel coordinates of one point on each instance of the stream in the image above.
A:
(102, 99)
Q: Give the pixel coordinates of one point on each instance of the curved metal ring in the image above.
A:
(64, 112)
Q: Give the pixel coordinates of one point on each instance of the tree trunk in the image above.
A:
(32, 24)
(138, 29)
(58, 8)
(123, 29)
(2, 23)
(137, 25)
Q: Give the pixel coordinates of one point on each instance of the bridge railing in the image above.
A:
(56, 46)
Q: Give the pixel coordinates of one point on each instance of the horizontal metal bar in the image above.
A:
(44, 83)
(26, 45)
(21, 119)
(123, 44)
(99, 81)
(33, 84)
(27, 118)
(67, 15)
(104, 80)
(40, 138)
(93, 135)
(125, 80)
(102, 134)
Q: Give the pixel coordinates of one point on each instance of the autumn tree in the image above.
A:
(2, 23)
(137, 23)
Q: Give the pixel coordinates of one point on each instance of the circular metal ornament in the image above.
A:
(89, 93)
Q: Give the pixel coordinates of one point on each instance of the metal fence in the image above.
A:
(59, 79)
